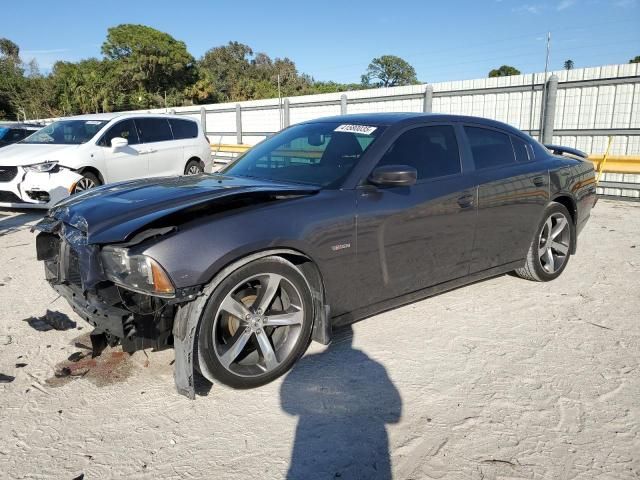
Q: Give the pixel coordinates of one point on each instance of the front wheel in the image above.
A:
(256, 324)
(550, 249)
(194, 167)
(87, 182)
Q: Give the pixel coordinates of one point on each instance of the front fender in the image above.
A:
(187, 319)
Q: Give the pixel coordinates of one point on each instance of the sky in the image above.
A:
(336, 40)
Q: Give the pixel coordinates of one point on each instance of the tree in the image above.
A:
(88, 86)
(238, 74)
(504, 71)
(225, 66)
(11, 78)
(635, 59)
(568, 64)
(148, 61)
(8, 49)
(389, 71)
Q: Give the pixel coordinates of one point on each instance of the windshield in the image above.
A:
(66, 132)
(322, 154)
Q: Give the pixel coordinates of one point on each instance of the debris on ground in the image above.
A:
(6, 378)
(111, 367)
(51, 321)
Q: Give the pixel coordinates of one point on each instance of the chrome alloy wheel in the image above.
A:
(258, 324)
(84, 184)
(194, 170)
(554, 242)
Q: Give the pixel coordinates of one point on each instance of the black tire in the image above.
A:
(537, 266)
(214, 336)
(192, 166)
(88, 181)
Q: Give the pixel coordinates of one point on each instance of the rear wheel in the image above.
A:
(194, 167)
(256, 324)
(550, 249)
(87, 182)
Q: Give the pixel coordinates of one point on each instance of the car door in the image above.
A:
(123, 163)
(164, 154)
(512, 191)
(409, 238)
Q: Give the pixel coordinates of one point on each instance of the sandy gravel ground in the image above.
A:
(504, 379)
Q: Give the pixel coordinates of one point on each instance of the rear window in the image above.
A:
(183, 128)
(490, 148)
(154, 129)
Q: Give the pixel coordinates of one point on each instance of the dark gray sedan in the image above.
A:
(323, 224)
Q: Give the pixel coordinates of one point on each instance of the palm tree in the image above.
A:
(568, 64)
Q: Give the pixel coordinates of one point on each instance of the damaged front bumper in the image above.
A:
(119, 316)
(37, 189)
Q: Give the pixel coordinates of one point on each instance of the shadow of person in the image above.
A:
(343, 399)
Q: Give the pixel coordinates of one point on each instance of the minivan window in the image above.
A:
(432, 151)
(521, 150)
(183, 128)
(125, 129)
(490, 148)
(154, 129)
(66, 132)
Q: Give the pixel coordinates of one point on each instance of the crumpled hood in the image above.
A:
(19, 154)
(114, 213)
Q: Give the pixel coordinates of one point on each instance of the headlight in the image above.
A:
(41, 167)
(136, 272)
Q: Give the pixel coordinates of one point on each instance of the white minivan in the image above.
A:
(77, 153)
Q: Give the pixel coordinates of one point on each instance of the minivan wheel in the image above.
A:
(194, 167)
(256, 323)
(550, 249)
(87, 182)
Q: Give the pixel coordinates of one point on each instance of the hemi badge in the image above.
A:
(342, 246)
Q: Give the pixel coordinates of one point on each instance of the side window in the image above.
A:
(532, 155)
(125, 129)
(489, 147)
(183, 128)
(154, 129)
(15, 135)
(520, 147)
(432, 151)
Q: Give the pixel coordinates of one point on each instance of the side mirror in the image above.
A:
(394, 176)
(118, 143)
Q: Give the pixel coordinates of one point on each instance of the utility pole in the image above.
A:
(280, 101)
(544, 86)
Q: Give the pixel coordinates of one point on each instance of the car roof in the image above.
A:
(407, 118)
(113, 115)
(35, 126)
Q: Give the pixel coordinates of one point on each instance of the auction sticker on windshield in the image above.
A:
(364, 129)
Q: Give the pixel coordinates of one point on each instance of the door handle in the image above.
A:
(465, 201)
(148, 150)
(539, 182)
